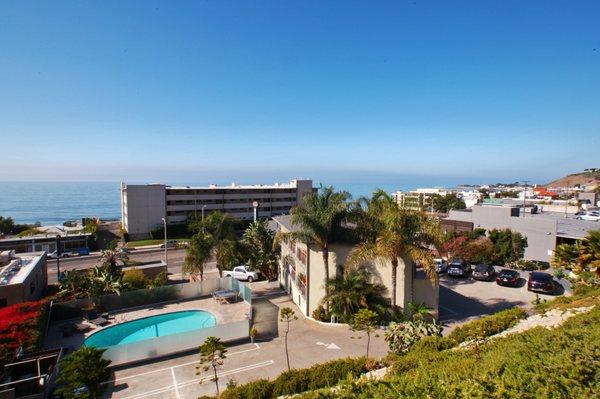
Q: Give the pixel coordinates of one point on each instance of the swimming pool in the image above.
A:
(151, 327)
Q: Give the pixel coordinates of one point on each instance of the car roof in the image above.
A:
(508, 271)
(540, 275)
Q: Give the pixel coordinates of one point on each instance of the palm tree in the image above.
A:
(221, 228)
(197, 254)
(349, 293)
(262, 249)
(393, 233)
(319, 218)
(589, 252)
(111, 257)
(565, 256)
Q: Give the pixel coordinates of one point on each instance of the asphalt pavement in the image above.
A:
(175, 262)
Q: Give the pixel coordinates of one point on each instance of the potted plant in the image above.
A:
(253, 333)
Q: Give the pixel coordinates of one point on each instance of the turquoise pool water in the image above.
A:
(151, 327)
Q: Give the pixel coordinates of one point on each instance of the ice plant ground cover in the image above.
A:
(20, 325)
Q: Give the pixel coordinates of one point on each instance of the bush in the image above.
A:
(21, 324)
(135, 279)
(488, 325)
(530, 265)
(433, 344)
(320, 314)
(297, 381)
(161, 279)
(402, 336)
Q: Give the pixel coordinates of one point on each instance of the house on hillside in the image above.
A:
(302, 274)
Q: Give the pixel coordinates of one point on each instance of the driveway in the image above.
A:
(463, 299)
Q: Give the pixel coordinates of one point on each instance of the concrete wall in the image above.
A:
(143, 208)
(540, 232)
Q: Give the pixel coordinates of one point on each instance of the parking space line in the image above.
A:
(448, 310)
(179, 365)
(196, 381)
(175, 383)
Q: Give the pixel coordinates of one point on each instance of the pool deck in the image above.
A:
(224, 313)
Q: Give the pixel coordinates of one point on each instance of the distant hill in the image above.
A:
(588, 180)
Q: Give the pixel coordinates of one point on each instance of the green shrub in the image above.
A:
(161, 279)
(320, 314)
(530, 265)
(402, 336)
(433, 344)
(135, 279)
(297, 381)
(488, 325)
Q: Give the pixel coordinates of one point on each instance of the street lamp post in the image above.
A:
(255, 206)
(166, 249)
(58, 253)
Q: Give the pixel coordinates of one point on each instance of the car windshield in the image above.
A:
(481, 268)
(507, 273)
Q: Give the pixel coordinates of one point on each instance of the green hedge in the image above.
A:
(297, 381)
(488, 325)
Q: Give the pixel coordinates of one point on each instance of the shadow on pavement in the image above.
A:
(456, 308)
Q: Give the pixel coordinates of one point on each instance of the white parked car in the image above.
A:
(591, 216)
(241, 273)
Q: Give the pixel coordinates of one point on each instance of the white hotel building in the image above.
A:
(144, 206)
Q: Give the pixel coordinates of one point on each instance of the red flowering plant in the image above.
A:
(20, 325)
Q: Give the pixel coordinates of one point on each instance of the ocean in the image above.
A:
(52, 203)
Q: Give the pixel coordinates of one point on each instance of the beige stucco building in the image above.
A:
(302, 274)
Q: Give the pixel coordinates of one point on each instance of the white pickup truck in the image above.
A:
(241, 273)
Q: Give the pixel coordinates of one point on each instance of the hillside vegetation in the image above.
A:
(581, 179)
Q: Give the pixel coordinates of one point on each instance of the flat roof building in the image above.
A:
(144, 206)
(544, 230)
(22, 278)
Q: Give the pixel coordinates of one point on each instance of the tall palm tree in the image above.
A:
(262, 249)
(319, 219)
(197, 254)
(392, 233)
(589, 252)
(565, 256)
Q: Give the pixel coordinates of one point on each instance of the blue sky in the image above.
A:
(180, 90)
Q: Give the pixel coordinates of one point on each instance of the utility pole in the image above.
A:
(525, 196)
(566, 202)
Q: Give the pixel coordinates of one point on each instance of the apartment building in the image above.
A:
(302, 273)
(420, 199)
(22, 278)
(144, 206)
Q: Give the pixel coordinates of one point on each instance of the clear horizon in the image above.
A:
(160, 91)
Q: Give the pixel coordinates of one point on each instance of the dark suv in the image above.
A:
(541, 282)
(458, 268)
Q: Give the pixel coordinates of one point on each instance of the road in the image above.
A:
(176, 257)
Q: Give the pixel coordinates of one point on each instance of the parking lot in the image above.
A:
(462, 299)
(309, 343)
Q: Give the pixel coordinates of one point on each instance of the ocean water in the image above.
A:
(52, 203)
